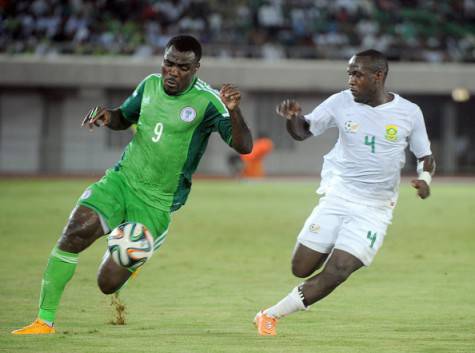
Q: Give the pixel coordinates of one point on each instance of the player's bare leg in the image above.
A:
(111, 277)
(339, 267)
(83, 228)
(306, 261)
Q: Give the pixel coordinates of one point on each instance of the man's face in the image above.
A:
(178, 70)
(362, 81)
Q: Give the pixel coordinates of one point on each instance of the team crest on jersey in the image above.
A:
(188, 114)
(391, 133)
(315, 228)
(351, 127)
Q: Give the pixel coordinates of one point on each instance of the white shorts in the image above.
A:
(337, 223)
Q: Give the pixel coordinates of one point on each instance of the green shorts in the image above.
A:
(116, 202)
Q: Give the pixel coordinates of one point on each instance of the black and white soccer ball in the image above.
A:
(130, 245)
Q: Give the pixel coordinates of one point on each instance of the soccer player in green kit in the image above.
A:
(175, 113)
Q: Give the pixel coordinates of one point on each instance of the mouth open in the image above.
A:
(171, 83)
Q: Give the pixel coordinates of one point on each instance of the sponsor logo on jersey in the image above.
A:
(315, 228)
(391, 133)
(351, 127)
(86, 194)
(188, 114)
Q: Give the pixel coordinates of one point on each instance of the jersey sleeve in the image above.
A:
(131, 107)
(418, 139)
(218, 119)
(321, 118)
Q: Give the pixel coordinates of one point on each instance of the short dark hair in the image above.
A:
(186, 43)
(378, 61)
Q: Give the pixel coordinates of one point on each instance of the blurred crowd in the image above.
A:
(409, 30)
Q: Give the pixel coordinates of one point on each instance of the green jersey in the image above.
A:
(171, 137)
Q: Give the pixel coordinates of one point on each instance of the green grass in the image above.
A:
(227, 255)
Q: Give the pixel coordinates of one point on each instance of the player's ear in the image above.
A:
(379, 75)
(197, 66)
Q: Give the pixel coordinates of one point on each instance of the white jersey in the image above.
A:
(366, 161)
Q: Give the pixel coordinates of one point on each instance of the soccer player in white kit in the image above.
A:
(360, 180)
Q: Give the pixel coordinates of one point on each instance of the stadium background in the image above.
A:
(227, 254)
(59, 58)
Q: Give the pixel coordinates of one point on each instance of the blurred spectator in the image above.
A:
(410, 30)
(253, 163)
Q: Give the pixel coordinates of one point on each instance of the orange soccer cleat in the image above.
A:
(38, 327)
(266, 325)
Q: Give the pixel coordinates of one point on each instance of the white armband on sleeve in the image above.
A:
(422, 174)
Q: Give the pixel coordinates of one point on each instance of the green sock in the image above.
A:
(60, 269)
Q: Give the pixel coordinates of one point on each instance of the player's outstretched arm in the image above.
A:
(242, 138)
(425, 170)
(297, 126)
(112, 118)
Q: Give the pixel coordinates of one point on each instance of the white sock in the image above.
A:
(290, 304)
(49, 323)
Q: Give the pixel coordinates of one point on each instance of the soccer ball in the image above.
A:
(130, 245)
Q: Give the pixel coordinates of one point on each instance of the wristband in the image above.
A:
(426, 177)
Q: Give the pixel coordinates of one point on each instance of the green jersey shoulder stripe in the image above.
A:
(217, 109)
(202, 86)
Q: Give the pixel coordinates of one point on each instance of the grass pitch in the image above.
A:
(227, 256)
